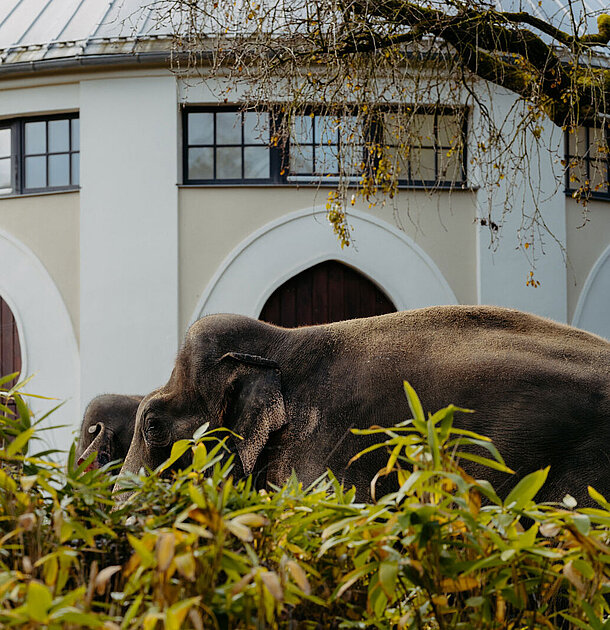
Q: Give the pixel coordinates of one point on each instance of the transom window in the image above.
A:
(39, 154)
(228, 146)
(588, 160)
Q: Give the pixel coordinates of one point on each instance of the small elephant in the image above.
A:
(541, 391)
(107, 428)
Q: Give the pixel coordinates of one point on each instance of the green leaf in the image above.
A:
(19, 442)
(175, 614)
(352, 577)
(419, 419)
(433, 445)
(38, 601)
(388, 574)
(485, 461)
(178, 450)
(598, 498)
(526, 489)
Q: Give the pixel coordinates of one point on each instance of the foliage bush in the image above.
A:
(202, 550)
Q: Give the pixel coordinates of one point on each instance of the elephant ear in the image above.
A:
(254, 405)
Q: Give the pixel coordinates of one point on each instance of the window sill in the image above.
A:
(590, 197)
(298, 185)
(40, 193)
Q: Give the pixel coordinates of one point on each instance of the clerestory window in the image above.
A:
(228, 146)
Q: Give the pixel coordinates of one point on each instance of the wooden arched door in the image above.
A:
(327, 292)
(10, 350)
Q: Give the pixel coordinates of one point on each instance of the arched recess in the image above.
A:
(48, 345)
(283, 248)
(327, 292)
(593, 307)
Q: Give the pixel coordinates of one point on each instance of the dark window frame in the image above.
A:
(280, 154)
(18, 155)
(274, 152)
(587, 160)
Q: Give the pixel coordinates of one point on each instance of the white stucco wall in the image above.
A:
(128, 233)
(503, 266)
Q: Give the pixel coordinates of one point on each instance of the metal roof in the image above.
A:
(36, 32)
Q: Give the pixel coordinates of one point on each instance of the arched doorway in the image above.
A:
(327, 292)
(10, 349)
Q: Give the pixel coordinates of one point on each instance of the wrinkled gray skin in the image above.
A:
(107, 428)
(541, 391)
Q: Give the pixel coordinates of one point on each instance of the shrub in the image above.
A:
(200, 549)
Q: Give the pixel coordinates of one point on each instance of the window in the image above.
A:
(587, 159)
(39, 154)
(226, 146)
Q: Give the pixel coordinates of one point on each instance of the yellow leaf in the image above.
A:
(299, 576)
(166, 544)
(185, 563)
(175, 614)
(449, 585)
(241, 531)
(103, 577)
(238, 587)
(272, 583)
(251, 520)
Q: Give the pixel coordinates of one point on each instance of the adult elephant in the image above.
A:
(107, 428)
(541, 391)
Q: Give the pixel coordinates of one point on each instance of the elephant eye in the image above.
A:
(156, 432)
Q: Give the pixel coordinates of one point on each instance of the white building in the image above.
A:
(124, 217)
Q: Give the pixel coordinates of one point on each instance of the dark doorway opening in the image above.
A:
(10, 349)
(327, 292)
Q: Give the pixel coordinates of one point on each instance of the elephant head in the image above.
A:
(214, 381)
(107, 428)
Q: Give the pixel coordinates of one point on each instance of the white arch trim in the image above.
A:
(591, 311)
(48, 344)
(296, 241)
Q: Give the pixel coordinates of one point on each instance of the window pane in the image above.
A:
(35, 138)
(5, 176)
(59, 169)
(450, 165)
(35, 172)
(59, 136)
(228, 163)
(326, 129)
(398, 162)
(228, 128)
(75, 134)
(394, 128)
(599, 177)
(449, 130)
(422, 130)
(577, 142)
(256, 163)
(326, 160)
(422, 165)
(256, 128)
(5, 142)
(598, 143)
(201, 128)
(75, 169)
(201, 163)
(577, 173)
(301, 160)
(352, 158)
(302, 130)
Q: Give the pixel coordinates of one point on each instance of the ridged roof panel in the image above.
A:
(35, 30)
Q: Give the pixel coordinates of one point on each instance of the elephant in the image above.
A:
(107, 428)
(540, 391)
